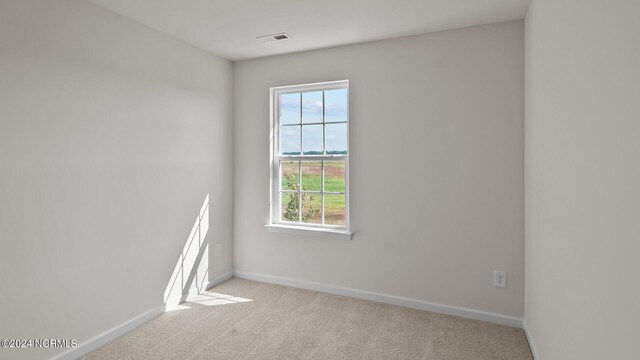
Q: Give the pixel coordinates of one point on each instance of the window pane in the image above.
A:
(290, 109)
(312, 107)
(334, 209)
(336, 138)
(290, 140)
(312, 208)
(312, 139)
(289, 206)
(334, 180)
(335, 105)
(312, 175)
(290, 171)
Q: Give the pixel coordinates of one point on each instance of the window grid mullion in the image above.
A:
(311, 157)
(324, 152)
(322, 192)
(301, 137)
(315, 123)
(324, 135)
(284, 191)
(300, 191)
(300, 167)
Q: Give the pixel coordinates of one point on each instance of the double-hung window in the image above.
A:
(310, 159)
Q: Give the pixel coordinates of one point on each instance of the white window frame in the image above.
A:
(275, 223)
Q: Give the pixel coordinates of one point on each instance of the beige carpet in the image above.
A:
(243, 319)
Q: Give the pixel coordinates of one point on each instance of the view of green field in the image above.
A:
(312, 179)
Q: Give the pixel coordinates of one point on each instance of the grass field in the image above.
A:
(334, 181)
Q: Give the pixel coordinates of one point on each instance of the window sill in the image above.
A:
(307, 231)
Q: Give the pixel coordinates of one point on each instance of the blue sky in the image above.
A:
(335, 107)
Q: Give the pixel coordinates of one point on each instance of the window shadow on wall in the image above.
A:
(191, 273)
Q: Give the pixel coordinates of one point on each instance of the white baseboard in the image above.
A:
(220, 279)
(177, 300)
(384, 298)
(530, 340)
(108, 336)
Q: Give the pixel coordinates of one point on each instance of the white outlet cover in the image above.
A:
(500, 279)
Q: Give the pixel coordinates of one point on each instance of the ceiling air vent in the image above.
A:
(274, 37)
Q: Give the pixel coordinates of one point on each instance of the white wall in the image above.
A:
(582, 179)
(111, 136)
(440, 205)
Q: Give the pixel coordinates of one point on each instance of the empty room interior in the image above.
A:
(296, 179)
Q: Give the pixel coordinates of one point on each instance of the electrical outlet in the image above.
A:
(216, 250)
(500, 279)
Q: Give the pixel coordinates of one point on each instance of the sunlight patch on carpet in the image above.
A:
(213, 299)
